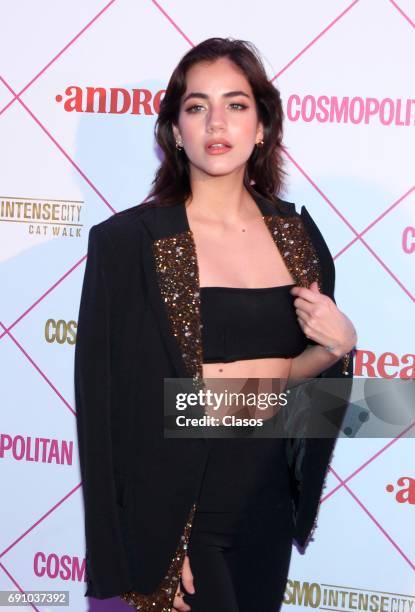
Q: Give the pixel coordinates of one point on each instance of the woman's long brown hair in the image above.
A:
(264, 169)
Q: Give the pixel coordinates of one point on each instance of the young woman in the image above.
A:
(214, 276)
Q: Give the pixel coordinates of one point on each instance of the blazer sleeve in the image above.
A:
(309, 457)
(328, 270)
(106, 565)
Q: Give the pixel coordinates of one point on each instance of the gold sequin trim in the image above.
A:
(161, 600)
(296, 249)
(346, 361)
(178, 276)
(299, 255)
(310, 536)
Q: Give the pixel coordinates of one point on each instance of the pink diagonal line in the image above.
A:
(40, 520)
(388, 270)
(17, 585)
(398, 8)
(55, 142)
(312, 42)
(379, 526)
(376, 220)
(54, 59)
(350, 226)
(322, 194)
(42, 297)
(43, 375)
(368, 461)
(174, 24)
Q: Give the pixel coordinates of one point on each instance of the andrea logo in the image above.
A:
(403, 491)
(113, 101)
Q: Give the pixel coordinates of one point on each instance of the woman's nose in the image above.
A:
(216, 118)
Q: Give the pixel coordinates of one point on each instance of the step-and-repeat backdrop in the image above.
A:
(69, 158)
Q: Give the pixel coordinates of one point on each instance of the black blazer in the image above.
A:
(139, 302)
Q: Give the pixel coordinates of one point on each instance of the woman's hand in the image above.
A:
(322, 321)
(187, 580)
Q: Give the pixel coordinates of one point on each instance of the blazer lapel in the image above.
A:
(172, 273)
(154, 227)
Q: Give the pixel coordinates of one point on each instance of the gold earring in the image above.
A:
(179, 145)
(260, 144)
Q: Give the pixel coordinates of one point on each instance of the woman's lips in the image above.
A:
(219, 150)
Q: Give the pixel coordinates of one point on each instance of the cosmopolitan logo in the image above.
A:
(386, 365)
(40, 450)
(408, 240)
(403, 491)
(113, 101)
(60, 331)
(59, 567)
(333, 597)
(354, 110)
(60, 218)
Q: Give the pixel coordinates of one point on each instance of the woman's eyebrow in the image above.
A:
(229, 94)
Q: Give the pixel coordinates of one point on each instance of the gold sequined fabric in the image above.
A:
(310, 536)
(161, 600)
(178, 277)
(296, 249)
(299, 254)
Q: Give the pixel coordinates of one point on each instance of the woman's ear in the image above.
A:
(176, 132)
(260, 132)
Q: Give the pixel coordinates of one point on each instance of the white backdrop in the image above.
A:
(345, 72)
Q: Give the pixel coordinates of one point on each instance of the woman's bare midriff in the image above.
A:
(267, 367)
(261, 375)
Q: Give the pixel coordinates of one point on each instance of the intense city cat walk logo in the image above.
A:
(43, 217)
(338, 598)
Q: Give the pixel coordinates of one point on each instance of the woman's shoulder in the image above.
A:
(125, 220)
(300, 211)
(291, 209)
(311, 232)
(123, 229)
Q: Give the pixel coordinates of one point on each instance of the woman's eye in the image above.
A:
(241, 106)
(195, 107)
(191, 109)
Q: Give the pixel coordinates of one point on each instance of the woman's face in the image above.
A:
(218, 105)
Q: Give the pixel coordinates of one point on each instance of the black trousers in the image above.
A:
(240, 561)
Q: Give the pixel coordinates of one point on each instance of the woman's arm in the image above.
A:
(311, 362)
(106, 563)
(322, 322)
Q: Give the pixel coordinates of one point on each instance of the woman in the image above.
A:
(213, 277)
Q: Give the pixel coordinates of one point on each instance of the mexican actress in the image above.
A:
(213, 276)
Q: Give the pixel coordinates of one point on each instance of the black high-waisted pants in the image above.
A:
(240, 562)
(241, 539)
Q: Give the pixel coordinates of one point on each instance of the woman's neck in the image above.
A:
(221, 199)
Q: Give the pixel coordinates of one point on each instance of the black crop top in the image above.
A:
(240, 323)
